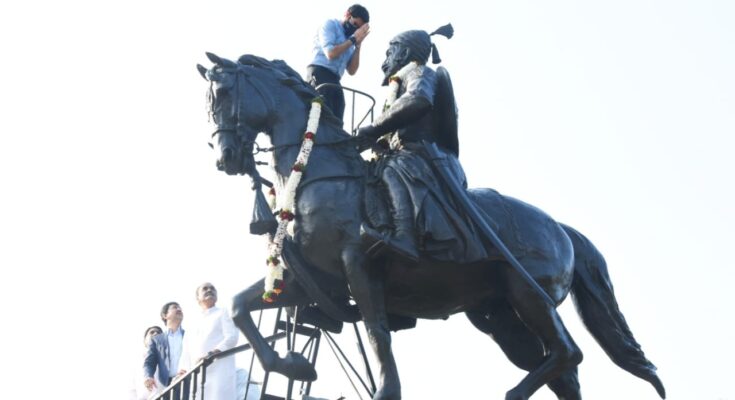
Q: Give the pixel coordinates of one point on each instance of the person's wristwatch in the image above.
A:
(353, 40)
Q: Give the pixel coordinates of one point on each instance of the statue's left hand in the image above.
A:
(365, 138)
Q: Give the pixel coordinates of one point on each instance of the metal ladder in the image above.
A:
(292, 328)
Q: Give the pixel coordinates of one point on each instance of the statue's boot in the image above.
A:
(402, 242)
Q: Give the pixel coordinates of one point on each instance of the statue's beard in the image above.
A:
(388, 71)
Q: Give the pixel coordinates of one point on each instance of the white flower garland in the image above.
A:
(274, 278)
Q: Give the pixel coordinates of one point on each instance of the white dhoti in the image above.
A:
(221, 381)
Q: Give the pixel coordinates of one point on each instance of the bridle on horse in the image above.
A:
(239, 128)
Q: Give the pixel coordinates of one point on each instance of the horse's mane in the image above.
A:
(290, 78)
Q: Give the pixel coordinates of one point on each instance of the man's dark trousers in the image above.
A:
(333, 95)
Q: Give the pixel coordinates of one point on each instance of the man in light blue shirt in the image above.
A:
(336, 49)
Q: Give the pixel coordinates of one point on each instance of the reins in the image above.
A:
(282, 146)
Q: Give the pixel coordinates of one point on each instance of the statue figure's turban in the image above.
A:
(419, 42)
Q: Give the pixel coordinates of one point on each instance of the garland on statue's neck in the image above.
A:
(274, 279)
(394, 83)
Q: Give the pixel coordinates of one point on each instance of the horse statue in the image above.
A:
(327, 263)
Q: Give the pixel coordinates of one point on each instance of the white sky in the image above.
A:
(614, 117)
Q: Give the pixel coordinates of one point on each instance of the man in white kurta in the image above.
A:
(215, 332)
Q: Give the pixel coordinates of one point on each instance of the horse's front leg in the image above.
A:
(367, 290)
(294, 365)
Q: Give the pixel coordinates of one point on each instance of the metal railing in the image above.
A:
(194, 380)
(354, 93)
(197, 376)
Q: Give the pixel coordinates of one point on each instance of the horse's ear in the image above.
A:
(222, 62)
(214, 58)
(202, 71)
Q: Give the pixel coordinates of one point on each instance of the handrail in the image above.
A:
(369, 113)
(200, 369)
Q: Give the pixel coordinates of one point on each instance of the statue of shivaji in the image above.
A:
(420, 109)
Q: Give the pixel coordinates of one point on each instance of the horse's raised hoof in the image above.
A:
(295, 366)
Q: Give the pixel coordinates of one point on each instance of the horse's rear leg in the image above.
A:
(522, 347)
(294, 365)
(561, 354)
(367, 290)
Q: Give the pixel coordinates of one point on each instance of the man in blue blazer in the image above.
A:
(164, 352)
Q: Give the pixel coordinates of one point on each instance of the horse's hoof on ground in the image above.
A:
(295, 366)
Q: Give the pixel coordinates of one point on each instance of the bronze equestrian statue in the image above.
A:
(340, 215)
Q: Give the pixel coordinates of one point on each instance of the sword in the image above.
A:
(479, 217)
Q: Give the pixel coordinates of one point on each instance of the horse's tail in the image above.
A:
(594, 298)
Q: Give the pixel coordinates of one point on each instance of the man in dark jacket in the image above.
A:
(164, 352)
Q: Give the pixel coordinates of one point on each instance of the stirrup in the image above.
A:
(404, 251)
(373, 240)
(379, 245)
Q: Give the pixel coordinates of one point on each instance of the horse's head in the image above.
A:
(256, 95)
(240, 108)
